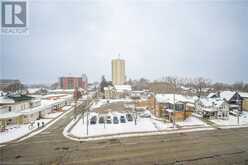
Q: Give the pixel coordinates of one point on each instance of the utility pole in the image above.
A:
(174, 103)
(135, 119)
(87, 122)
(174, 110)
(238, 102)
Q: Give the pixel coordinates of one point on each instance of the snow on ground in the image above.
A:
(191, 121)
(143, 125)
(232, 121)
(102, 102)
(17, 131)
(52, 115)
(65, 108)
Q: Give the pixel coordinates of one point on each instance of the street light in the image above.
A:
(174, 109)
(135, 119)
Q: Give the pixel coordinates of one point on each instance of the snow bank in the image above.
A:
(17, 131)
(232, 121)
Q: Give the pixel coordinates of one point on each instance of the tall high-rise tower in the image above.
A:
(118, 71)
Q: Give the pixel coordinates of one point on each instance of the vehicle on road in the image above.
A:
(93, 120)
(115, 120)
(129, 117)
(101, 120)
(122, 119)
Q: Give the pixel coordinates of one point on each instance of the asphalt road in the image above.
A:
(207, 147)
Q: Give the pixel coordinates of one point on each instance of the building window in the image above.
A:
(9, 109)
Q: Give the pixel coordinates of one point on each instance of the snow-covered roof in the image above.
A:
(122, 88)
(9, 115)
(211, 95)
(243, 94)
(6, 100)
(108, 88)
(209, 102)
(33, 90)
(169, 98)
(227, 95)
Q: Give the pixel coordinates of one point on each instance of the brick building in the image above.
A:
(73, 82)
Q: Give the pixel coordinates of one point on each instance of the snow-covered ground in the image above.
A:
(52, 115)
(142, 125)
(232, 121)
(191, 121)
(102, 102)
(17, 131)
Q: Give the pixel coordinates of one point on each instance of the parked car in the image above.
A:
(93, 120)
(115, 120)
(129, 117)
(109, 120)
(101, 120)
(145, 114)
(234, 113)
(122, 119)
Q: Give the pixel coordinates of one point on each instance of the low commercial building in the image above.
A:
(22, 109)
(123, 91)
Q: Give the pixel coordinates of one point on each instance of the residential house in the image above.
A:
(212, 108)
(244, 96)
(165, 104)
(110, 92)
(231, 97)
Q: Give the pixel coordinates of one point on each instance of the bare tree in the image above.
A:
(14, 87)
(199, 84)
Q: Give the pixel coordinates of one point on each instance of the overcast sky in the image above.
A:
(156, 38)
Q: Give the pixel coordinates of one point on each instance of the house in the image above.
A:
(212, 108)
(110, 92)
(146, 102)
(233, 99)
(244, 96)
(165, 104)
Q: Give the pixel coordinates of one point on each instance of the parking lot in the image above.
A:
(116, 123)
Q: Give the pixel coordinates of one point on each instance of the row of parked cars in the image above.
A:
(111, 119)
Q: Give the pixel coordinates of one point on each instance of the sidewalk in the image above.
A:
(137, 134)
(26, 132)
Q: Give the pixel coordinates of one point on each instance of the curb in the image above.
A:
(133, 134)
(37, 129)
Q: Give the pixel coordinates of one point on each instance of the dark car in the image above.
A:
(122, 119)
(115, 120)
(93, 120)
(101, 120)
(109, 120)
(129, 117)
